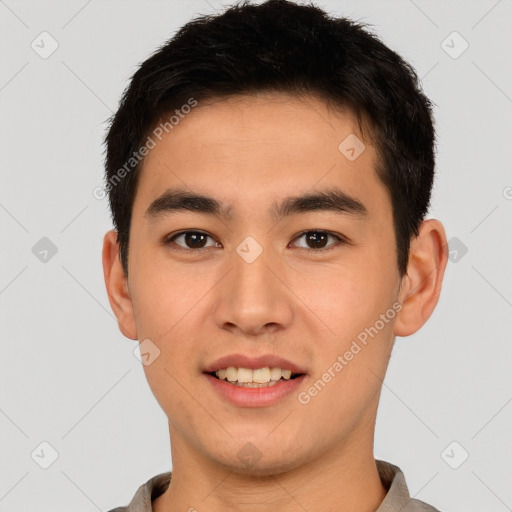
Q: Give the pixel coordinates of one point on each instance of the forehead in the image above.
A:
(247, 149)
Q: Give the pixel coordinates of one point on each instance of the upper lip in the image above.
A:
(242, 361)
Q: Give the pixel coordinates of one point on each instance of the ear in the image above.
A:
(117, 286)
(421, 286)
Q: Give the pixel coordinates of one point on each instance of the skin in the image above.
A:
(306, 306)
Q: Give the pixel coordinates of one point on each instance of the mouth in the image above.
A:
(254, 378)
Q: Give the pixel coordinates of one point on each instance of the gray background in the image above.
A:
(70, 379)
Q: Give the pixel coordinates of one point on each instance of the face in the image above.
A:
(315, 284)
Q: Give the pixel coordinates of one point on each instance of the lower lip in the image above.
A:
(255, 397)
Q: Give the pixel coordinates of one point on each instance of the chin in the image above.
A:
(261, 462)
(263, 468)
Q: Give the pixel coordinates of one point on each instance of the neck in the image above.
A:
(343, 480)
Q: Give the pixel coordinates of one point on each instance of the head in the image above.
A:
(308, 135)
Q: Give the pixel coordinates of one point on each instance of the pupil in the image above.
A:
(192, 238)
(314, 237)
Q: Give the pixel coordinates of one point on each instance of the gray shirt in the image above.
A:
(397, 498)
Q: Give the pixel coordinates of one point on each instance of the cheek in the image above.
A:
(163, 294)
(348, 296)
(350, 299)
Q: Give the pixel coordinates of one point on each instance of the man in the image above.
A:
(269, 171)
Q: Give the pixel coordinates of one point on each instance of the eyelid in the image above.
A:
(341, 240)
(169, 239)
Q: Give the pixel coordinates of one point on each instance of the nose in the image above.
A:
(253, 298)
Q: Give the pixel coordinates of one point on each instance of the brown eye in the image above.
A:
(317, 240)
(191, 240)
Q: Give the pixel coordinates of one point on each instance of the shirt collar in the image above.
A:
(393, 480)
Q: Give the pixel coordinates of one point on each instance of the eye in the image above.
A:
(191, 239)
(318, 239)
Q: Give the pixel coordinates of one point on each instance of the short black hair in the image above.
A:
(281, 46)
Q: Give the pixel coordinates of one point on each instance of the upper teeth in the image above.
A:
(260, 375)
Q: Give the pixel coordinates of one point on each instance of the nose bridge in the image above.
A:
(253, 283)
(250, 268)
(252, 298)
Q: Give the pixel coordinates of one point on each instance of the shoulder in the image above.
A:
(417, 506)
(146, 493)
(398, 497)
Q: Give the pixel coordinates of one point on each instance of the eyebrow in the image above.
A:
(333, 199)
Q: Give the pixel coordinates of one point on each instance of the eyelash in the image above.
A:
(341, 240)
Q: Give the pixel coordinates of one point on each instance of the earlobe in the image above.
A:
(421, 286)
(117, 286)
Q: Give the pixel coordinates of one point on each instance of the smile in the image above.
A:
(254, 378)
